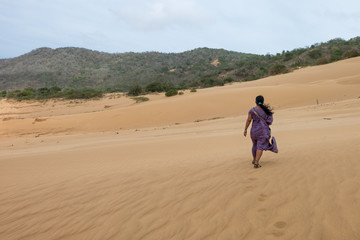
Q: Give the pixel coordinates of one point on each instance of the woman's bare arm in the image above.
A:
(248, 121)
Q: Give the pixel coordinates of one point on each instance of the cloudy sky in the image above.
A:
(116, 26)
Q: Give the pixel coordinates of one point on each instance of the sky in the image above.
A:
(173, 26)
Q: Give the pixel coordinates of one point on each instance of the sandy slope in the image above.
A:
(179, 168)
(328, 83)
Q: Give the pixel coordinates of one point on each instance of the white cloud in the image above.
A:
(162, 14)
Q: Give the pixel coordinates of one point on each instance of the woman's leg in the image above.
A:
(258, 156)
(253, 150)
(263, 143)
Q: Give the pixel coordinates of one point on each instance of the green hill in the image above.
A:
(78, 68)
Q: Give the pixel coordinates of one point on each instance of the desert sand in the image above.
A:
(180, 168)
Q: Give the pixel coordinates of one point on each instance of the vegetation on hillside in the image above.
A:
(54, 92)
(77, 72)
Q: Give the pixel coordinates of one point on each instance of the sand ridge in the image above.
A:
(179, 168)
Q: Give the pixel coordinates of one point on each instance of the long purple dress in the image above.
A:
(260, 132)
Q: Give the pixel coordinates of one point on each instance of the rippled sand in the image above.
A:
(179, 168)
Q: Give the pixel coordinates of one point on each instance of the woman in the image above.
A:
(262, 117)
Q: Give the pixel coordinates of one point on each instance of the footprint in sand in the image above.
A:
(250, 186)
(280, 224)
(261, 210)
(262, 197)
(278, 232)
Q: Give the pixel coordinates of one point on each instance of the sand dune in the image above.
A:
(179, 168)
(322, 84)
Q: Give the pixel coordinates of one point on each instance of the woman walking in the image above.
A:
(261, 117)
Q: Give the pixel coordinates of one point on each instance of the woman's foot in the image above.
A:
(253, 162)
(257, 165)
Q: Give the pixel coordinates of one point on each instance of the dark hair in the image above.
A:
(267, 109)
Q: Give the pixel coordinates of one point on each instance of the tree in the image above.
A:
(336, 55)
(315, 54)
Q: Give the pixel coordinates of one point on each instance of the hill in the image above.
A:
(77, 68)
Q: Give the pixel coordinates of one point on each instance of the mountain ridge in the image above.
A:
(78, 68)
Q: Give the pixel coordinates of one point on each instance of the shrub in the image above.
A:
(43, 93)
(219, 83)
(54, 92)
(261, 72)
(278, 69)
(351, 53)
(288, 56)
(171, 92)
(194, 84)
(141, 99)
(336, 55)
(26, 94)
(3, 94)
(193, 90)
(12, 94)
(228, 80)
(86, 93)
(135, 91)
(117, 88)
(209, 81)
(322, 61)
(158, 87)
(55, 89)
(298, 63)
(315, 54)
(47, 93)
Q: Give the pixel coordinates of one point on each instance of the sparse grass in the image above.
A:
(140, 99)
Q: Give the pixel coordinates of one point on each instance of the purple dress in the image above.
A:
(260, 132)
